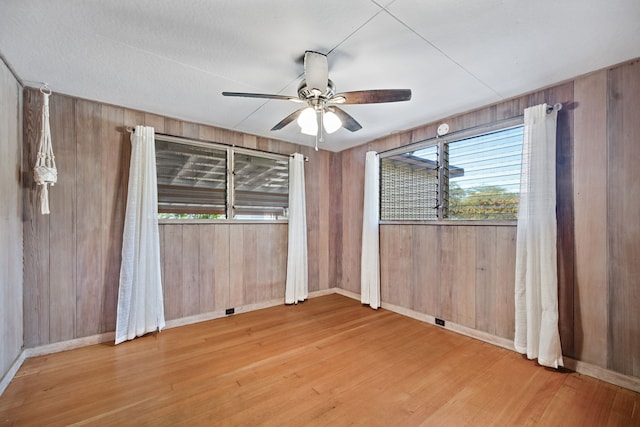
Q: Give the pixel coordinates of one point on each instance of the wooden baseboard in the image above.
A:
(69, 345)
(237, 310)
(6, 379)
(626, 381)
(612, 377)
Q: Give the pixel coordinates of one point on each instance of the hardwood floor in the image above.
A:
(327, 361)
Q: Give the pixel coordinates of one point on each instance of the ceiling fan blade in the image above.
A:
(316, 70)
(262, 95)
(291, 117)
(372, 96)
(348, 122)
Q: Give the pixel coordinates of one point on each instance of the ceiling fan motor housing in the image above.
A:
(307, 94)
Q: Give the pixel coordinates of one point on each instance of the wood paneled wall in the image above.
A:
(623, 219)
(464, 273)
(73, 255)
(10, 220)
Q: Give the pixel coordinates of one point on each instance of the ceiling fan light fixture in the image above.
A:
(324, 114)
(331, 122)
(307, 121)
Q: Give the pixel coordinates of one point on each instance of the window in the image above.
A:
(196, 182)
(475, 177)
(409, 185)
(261, 187)
(192, 181)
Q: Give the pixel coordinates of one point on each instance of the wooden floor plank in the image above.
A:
(327, 361)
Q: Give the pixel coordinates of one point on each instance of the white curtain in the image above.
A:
(536, 289)
(370, 260)
(140, 303)
(297, 287)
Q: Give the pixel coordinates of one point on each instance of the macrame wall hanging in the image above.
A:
(45, 172)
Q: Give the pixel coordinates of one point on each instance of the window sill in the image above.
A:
(222, 221)
(451, 222)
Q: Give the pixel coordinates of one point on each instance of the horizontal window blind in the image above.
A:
(487, 184)
(192, 180)
(261, 187)
(409, 185)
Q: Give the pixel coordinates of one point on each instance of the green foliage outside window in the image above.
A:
(189, 216)
(487, 202)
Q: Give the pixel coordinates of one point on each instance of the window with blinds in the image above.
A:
(198, 180)
(488, 186)
(409, 185)
(471, 178)
(192, 181)
(261, 187)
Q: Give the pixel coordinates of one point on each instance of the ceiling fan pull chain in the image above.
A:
(320, 114)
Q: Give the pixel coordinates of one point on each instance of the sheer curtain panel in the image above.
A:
(296, 287)
(370, 258)
(536, 288)
(140, 303)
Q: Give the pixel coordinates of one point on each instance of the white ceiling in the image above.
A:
(174, 58)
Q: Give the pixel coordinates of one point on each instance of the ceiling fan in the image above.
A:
(318, 91)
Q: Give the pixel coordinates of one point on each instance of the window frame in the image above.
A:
(440, 142)
(230, 151)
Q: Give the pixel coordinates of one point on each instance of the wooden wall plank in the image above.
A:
(163, 256)
(398, 269)
(190, 130)
(335, 222)
(207, 256)
(393, 141)
(590, 207)
(155, 121)
(172, 268)
(266, 251)
(505, 266)
(250, 263)
(387, 242)
(485, 283)
(35, 231)
(323, 194)
(463, 286)
(133, 118)
(623, 226)
(447, 274)
(237, 253)
(225, 136)
(564, 212)
(264, 144)
(426, 269)
(313, 182)
(221, 266)
(278, 259)
(62, 196)
(116, 156)
(173, 127)
(250, 141)
(352, 187)
(191, 281)
(88, 208)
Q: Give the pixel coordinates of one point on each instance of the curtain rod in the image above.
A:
(550, 108)
(133, 130)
